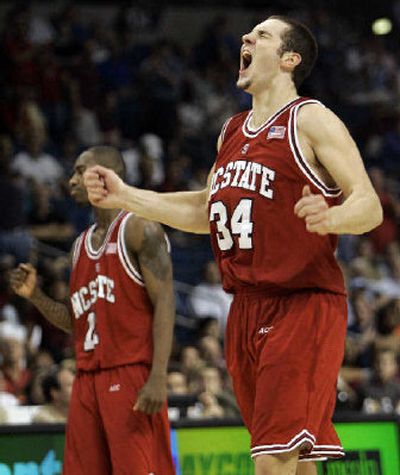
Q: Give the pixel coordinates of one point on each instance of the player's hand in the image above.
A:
(152, 396)
(104, 187)
(315, 212)
(23, 280)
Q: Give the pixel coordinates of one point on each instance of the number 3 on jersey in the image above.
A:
(240, 224)
(91, 338)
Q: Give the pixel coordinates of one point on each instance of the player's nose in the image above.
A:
(72, 181)
(247, 38)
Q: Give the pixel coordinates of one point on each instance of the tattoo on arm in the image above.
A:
(153, 254)
(55, 312)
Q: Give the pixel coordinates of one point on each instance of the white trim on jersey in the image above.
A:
(92, 253)
(123, 255)
(299, 157)
(250, 132)
(223, 129)
(77, 249)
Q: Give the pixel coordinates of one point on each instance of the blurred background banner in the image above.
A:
(213, 448)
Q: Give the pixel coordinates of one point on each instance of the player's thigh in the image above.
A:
(86, 450)
(139, 443)
(297, 372)
(240, 355)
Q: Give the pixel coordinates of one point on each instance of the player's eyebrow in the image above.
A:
(262, 31)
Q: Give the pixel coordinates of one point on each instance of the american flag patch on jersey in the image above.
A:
(276, 132)
(111, 248)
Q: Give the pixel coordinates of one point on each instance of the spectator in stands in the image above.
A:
(57, 388)
(216, 400)
(388, 325)
(211, 351)
(387, 232)
(15, 239)
(6, 398)
(42, 361)
(382, 393)
(191, 365)
(47, 222)
(362, 333)
(210, 326)
(144, 165)
(177, 383)
(208, 298)
(14, 360)
(35, 164)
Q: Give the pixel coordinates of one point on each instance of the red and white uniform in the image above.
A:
(113, 313)
(112, 327)
(287, 285)
(257, 239)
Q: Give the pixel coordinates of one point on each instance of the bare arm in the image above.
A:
(187, 211)
(327, 139)
(148, 242)
(24, 283)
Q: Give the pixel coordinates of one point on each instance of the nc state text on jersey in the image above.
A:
(244, 174)
(100, 288)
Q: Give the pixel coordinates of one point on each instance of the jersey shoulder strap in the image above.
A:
(231, 125)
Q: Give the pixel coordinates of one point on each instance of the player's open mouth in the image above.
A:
(245, 60)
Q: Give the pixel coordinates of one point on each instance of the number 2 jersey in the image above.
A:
(258, 241)
(112, 313)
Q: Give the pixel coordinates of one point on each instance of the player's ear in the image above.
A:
(289, 60)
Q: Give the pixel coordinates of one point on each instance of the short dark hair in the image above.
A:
(109, 157)
(299, 39)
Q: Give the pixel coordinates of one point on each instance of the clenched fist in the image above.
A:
(315, 212)
(23, 280)
(104, 187)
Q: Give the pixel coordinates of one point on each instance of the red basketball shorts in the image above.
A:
(284, 354)
(105, 436)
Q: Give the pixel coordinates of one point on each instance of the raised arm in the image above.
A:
(147, 241)
(325, 138)
(185, 210)
(23, 281)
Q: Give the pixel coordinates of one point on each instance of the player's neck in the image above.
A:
(104, 217)
(270, 100)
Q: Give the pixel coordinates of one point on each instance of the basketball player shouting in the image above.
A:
(287, 180)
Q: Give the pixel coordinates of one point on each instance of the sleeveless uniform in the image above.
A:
(112, 326)
(287, 324)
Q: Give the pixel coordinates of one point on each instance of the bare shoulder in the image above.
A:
(317, 121)
(140, 231)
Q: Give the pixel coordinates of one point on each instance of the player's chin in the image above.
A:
(80, 197)
(243, 83)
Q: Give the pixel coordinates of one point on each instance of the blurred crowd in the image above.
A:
(67, 83)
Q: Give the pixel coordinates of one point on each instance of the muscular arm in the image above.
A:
(148, 242)
(23, 281)
(328, 140)
(187, 211)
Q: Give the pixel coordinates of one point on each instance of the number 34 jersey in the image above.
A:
(258, 241)
(112, 313)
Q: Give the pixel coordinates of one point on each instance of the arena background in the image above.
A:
(157, 80)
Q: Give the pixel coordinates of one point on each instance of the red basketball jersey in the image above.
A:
(113, 315)
(258, 241)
